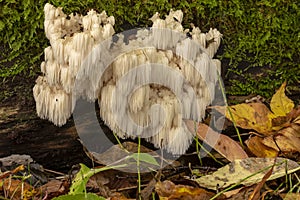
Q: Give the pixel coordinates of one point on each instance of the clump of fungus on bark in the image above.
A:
(79, 52)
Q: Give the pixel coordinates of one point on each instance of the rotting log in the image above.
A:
(53, 147)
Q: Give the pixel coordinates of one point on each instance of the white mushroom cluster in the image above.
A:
(71, 39)
(146, 85)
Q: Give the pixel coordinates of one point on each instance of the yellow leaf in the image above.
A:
(280, 103)
(254, 116)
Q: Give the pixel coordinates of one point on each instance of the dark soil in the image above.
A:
(23, 132)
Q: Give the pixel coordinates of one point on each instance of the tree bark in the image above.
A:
(56, 148)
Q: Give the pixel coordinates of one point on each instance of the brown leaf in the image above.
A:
(167, 190)
(285, 121)
(290, 196)
(241, 193)
(54, 188)
(258, 148)
(280, 104)
(287, 139)
(148, 190)
(16, 189)
(295, 114)
(118, 196)
(280, 122)
(256, 193)
(223, 144)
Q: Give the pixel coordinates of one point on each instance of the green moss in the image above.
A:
(263, 34)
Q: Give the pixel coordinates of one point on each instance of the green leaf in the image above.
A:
(88, 196)
(145, 157)
(82, 177)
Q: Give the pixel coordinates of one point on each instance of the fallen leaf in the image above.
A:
(258, 148)
(83, 196)
(167, 190)
(281, 122)
(14, 171)
(118, 196)
(148, 190)
(17, 189)
(54, 188)
(254, 116)
(290, 196)
(247, 171)
(256, 193)
(223, 144)
(241, 193)
(280, 104)
(287, 139)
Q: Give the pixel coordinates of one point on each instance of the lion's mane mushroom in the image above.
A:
(73, 39)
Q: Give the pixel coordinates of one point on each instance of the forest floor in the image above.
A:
(58, 149)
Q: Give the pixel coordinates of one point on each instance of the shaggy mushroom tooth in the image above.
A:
(139, 98)
(83, 43)
(108, 31)
(41, 93)
(96, 33)
(187, 50)
(176, 122)
(160, 36)
(179, 141)
(111, 20)
(38, 86)
(74, 61)
(59, 12)
(202, 66)
(175, 16)
(169, 54)
(95, 19)
(66, 79)
(43, 67)
(48, 54)
(59, 106)
(58, 51)
(103, 16)
(155, 17)
(213, 40)
(52, 73)
(49, 11)
(87, 20)
(217, 65)
(151, 54)
(198, 36)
